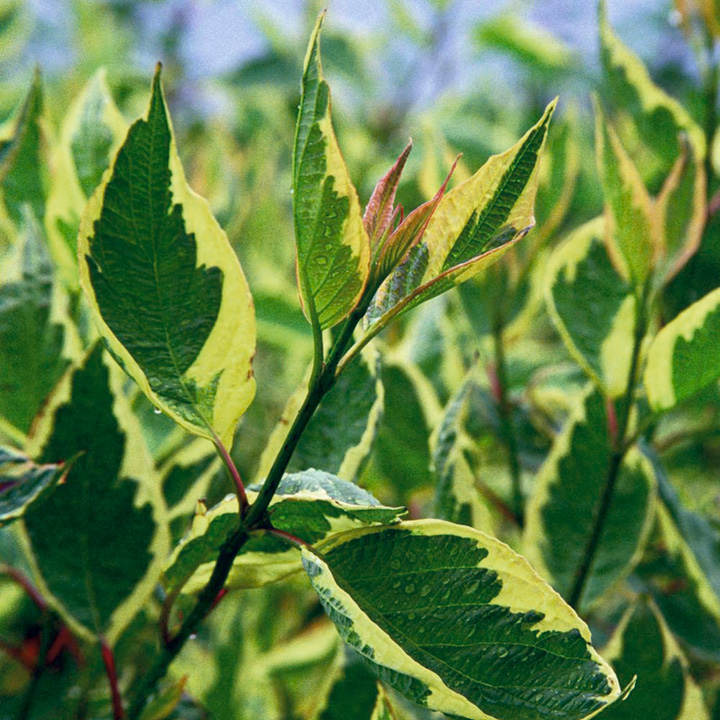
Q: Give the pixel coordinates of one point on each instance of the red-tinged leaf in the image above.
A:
(379, 211)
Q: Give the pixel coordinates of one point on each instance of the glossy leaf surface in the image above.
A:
(459, 623)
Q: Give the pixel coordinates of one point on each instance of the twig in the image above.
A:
(111, 672)
(234, 475)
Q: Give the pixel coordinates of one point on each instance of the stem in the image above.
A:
(298, 542)
(234, 474)
(506, 423)
(254, 518)
(109, 662)
(620, 447)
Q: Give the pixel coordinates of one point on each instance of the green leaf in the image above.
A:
(458, 622)
(682, 358)
(166, 287)
(99, 539)
(340, 435)
(311, 505)
(23, 163)
(22, 481)
(472, 227)
(644, 646)
(592, 307)
(658, 119)
(333, 248)
(632, 231)
(568, 493)
(36, 336)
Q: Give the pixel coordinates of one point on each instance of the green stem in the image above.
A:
(620, 448)
(254, 518)
(506, 423)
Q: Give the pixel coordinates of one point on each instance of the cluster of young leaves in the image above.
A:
(109, 532)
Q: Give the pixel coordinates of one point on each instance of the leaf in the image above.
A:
(644, 646)
(22, 482)
(682, 358)
(632, 231)
(355, 693)
(340, 435)
(472, 227)
(456, 497)
(185, 479)
(23, 164)
(99, 539)
(92, 131)
(592, 307)
(165, 285)
(682, 570)
(36, 337)
(311, 505)
(333, 248)
(682, 210)
(658, 118)
(459, 623)
(568, 493)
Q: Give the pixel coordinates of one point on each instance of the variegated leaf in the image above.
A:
(340, 435)
(165, 285)
(23, 158)
(570, 488)
(459, 623)
(22, 481)
(37, 339)
(310, 505)
(683, 357)
(472, 227)
(632, 229)
(333, 248)
(592, 307)
(106, 523)
(91, 133)
(644, 646)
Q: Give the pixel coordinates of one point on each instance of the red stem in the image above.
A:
(287, 536)
(25, 584)
(109, 662)
(234, 474)
(16, 653)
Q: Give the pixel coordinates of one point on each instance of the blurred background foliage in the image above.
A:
(458, 76)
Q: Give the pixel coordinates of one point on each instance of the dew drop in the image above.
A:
(193, 636)
(157, 411)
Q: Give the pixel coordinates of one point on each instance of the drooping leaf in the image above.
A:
(23, 158)
(311, 505)
(333, 248)
(683, 357)
(592, 307)
(166, 288)
(568, 493)
(36, 338)
(105, 524)
(644, 646)
(632, 230)
(22, 481)
(340, 435)
(472, 227)
(459, 623)
(658, 119)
